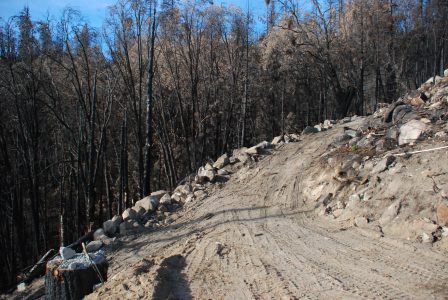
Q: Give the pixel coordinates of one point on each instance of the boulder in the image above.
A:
(309, 130)
(427, 238)
(117, 219)
(110, 227)
(200, 194)
(327, 124)
(445, 73)
(442, 214)
(390, 213)
(292, 138)
(129, 213)
(277, 140)
(208, 166)
(94, 246)
(352, 132)
(98, 234)
(129, 226)
(240, 155)
(158, 194)
(183, 189)
(222, 161)
(205, 175)
(149, 203)
(233, 160)
(258, 149)
(411, 131)
(140, 211)
(66, 253)
(383, 165)
(223, 172)
(319, 127)
(166, 199)
(176, 197)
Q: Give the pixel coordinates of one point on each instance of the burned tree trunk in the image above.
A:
(72, 280)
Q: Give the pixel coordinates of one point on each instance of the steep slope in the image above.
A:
(283, 228)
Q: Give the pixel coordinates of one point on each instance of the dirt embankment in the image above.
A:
(325, 217)
(351, 210)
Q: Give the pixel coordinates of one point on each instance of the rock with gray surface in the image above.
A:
(411, 132)
(222, 161)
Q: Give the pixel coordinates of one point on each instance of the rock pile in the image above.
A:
(371, 156)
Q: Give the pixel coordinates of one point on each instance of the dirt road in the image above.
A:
(257, 239)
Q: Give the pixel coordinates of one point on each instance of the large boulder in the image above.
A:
(110, 227)
(222, 161)
(205, 175)
(129, 213)
(149, 203)
(411, 131)
(277, 140)
(158, 194)
(165, 200)
(183, 189)
(240, 155)
(94, 246)
(259, 148)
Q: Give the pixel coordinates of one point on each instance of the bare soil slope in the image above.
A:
(266, 234)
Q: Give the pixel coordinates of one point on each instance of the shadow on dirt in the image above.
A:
(170, 283)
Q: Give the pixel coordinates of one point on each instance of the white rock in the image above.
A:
(205, 175)
(166, 199)
(158, 194)
(66, 253)
(411, 131)
(176, 197)
(21, 287)
(427, 238)
(222, 172)
(149, 203)
(445, 73)
(222, 161)
(129, 213)
(184, 189)
(277, 140)
(240, 155)
(257, 149)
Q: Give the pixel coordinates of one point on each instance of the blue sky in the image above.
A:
(94, 11)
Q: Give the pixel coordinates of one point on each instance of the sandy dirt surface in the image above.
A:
(259, 237)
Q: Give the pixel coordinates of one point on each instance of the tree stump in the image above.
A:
(74, 278)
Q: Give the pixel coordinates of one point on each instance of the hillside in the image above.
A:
(348, 209)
